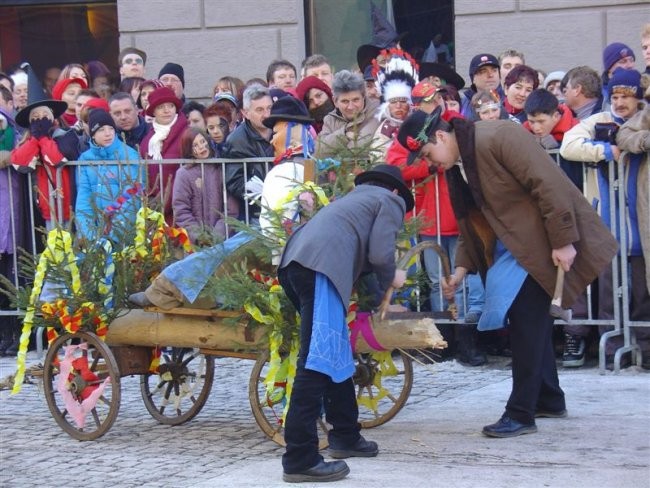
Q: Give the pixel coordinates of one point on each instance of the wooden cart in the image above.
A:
(82, 373)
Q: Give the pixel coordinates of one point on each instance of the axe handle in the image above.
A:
(386, 302)
(559, 286)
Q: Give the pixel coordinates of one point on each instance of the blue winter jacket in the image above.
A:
(100, 184)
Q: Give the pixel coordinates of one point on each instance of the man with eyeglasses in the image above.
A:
(172, 76)
(132, 62)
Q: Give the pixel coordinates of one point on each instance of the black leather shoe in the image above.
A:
(323, 471)
(507, 427)
(551, 414)
(362, 448)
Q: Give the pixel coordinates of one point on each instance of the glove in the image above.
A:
(40, 127)
(254, 189)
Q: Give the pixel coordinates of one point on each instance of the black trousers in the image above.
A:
(535, 384)
(313, 392)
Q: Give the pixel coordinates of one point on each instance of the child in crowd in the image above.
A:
(199, 192)
(217, 123)
(68, 90)
(99, 185)
(487, 106)
(549, 120)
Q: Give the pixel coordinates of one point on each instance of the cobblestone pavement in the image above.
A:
(435, 439)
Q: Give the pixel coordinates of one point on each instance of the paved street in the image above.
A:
(434, 441)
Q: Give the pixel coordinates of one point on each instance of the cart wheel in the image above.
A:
(383, 381)
(268, 414)
(86, 403)
(181, 387)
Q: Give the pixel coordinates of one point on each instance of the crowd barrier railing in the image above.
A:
(620, 322)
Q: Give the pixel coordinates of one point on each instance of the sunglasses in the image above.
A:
(132, 61)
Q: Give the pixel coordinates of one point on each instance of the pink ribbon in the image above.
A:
(77, 410)
(361, 325)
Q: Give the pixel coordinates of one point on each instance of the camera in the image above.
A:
(606, 132)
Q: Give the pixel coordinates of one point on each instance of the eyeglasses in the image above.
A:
(132, 61)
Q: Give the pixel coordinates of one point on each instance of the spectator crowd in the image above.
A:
(589, 118)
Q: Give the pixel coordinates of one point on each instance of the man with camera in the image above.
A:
(594, 141)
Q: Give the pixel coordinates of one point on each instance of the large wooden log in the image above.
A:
(186, 327)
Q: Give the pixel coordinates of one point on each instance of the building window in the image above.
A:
(51, 34)
(336, 28)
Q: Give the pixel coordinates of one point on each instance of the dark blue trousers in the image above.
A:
(535, 385)
(313, 392)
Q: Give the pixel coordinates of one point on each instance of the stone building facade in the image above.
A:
(553, 34)
(213, 38)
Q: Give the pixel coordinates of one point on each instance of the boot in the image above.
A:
(468, 351)
(6, 337)
(15, 330)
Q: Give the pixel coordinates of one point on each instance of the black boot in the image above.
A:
(468, 351)
(15, 330)
(6, 337)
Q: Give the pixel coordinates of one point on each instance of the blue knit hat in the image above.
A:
(614, 52)
(626, 81)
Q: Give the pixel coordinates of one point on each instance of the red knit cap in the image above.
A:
(97, 103)
(61, 85)
(309, 82)
(162, 95)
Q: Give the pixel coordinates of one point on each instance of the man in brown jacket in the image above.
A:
(519, 218)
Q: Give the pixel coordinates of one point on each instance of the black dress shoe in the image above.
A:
(507, 427)
(323, 471)
(362, 448)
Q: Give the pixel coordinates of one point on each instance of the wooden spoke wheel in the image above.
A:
(383, 383)
(180, 388)
(268, 408)
(85, 401)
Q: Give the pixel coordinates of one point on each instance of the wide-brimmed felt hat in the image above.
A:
(415, 131)
(365, 54)
(36, 97)
(442, 71)
(289, 109)
(162, 95)
(392, 176)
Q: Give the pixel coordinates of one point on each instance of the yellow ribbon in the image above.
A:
(309, 186)
(58, 251)
(145, 214)
(386, 368)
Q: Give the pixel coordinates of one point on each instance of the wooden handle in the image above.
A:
(403, 262)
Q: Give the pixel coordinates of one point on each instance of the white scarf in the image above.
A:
(160, 133)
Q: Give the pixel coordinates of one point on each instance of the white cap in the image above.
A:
(553, 76)
(19, 77)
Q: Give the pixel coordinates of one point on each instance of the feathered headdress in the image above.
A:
(397, 77)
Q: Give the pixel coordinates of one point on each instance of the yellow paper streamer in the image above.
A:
(58, 250)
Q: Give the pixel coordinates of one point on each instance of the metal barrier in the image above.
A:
(621, 323)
